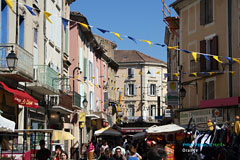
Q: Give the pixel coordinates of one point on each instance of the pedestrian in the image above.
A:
(58, 150)
(119, 145)
(63, 156)
(107, 155)
(103, 147)
(43, 153)
(118, 155)
(90, 150)
(132, 154)
(156, 153)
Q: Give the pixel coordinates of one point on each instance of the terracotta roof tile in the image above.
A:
(130, 56)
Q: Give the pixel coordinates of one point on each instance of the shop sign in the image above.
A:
(201, 116)
(130, 130)
(172, 95)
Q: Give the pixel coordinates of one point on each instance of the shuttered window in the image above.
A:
(209, 47)
(131, 110)
(130, 72)
(4, 22)
(209, 90)
(21, 32)
(206, 12)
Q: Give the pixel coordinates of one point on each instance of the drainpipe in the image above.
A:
(230, 44)
(44, 34)
(16, 36)
(141, 92)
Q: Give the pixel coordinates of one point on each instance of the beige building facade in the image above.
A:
(209, 27)
(140, 79)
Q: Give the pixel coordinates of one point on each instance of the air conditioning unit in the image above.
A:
(35, 74)
(54, 100)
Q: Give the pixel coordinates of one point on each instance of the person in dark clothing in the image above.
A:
(43, 153)
(118, 155)
(156, 153)
(107, 155)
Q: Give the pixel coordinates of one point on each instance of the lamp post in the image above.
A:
(76, 68)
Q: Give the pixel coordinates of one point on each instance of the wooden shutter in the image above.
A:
(202, 12)
(211, 90)
(148, 89)
(210, 10)
(132, 72)
(135, 90)
(126, 89)
(202, 58)
(85, 67)
(129, 72)
(214, 51)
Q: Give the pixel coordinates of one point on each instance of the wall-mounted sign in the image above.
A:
(172, 96)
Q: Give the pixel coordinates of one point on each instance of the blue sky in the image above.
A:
(140, 19)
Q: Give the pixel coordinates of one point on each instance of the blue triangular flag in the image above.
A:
(204, 73)
(103, 30)
(162, 45)
(206, 56)
(99, 86)
(65, 23)
(230, 59)
(133, 39)
(30, 9)
(165, 75)
(186, 51)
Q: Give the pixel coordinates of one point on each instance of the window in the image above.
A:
(195, 66)
(206, 12)
(130, 72)
(130, 89)
(35, 38)
(35, 47)
(21, 32)
(152, 90)
(90, 71)
(152, 110)
(209, 90)
(131, 110)
(4, 22)
(209, 46)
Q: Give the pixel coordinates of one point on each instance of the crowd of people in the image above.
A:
(127, 150)
(45, 154)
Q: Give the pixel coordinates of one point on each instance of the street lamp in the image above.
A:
(76, 68)
(182, 92)
(85, 102)
(12, 60)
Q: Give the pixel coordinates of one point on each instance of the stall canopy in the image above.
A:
(62, 135)
(107, 131)
(140, 135)
(6, 125)
(21, 97)
(165, 129)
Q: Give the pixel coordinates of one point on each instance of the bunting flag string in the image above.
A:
(65, 23)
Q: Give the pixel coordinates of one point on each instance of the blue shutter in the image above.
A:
(4, 22)
(21, 32)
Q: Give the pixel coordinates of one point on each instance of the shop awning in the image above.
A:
(21, 97)
(6, 125)
(221, 102)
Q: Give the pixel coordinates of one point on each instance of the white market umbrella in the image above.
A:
(107, 131)
(6, 125)
(170, 128)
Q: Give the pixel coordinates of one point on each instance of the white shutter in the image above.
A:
(148, 89)
(135, 90)
(153, 72)
(125, 89)
(157, 90)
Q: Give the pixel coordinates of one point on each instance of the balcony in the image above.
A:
(45, 80)
(77, 100)
(24, 69)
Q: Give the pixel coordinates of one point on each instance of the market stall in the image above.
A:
(107, 131)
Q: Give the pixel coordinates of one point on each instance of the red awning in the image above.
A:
(221, 102)
(21, 97)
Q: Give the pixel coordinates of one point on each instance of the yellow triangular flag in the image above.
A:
(58, 75)
(10, 4)
(118, 109)
(47, 15)
(176, 74)
(158, 72)
(76, 77)
(140, 72)
(236, 60)
(233, 72)
(216, 58)
(84, 25)
(195, 74)
(123, 75)
(97, 86)
(93, 77)
(211, 73)
(117, 35)
(172, 48)
(147, 42)
(194, 54)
